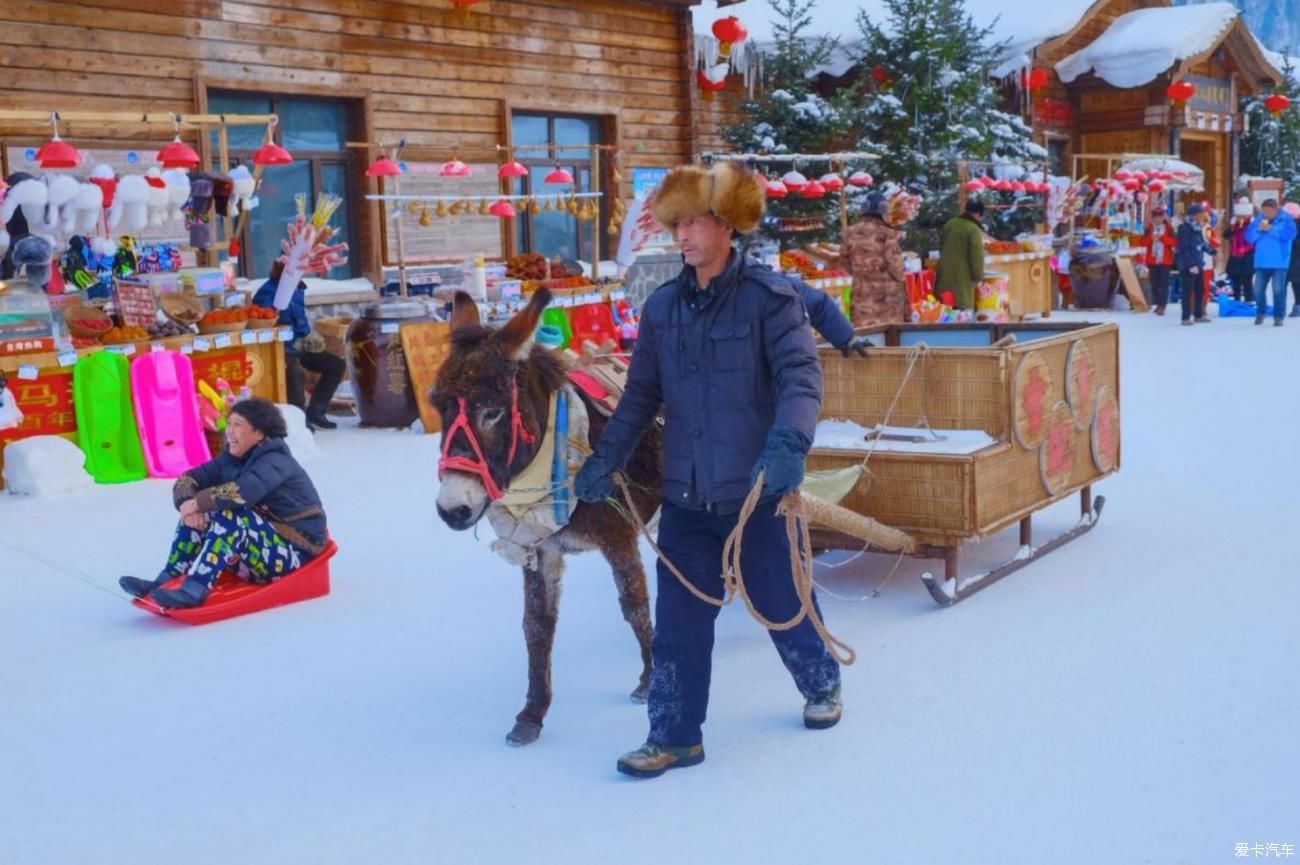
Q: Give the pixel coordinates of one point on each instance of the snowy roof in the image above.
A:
(1141, 45)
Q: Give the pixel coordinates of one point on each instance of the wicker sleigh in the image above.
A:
(1049, 399)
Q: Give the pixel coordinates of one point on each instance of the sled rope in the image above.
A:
(733, 578)
(76, 575)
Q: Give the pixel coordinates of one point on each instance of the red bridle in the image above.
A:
(478, 464)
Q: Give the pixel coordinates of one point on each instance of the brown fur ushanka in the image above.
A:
(729, 191)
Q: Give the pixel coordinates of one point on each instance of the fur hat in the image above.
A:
(34, 253)
(729, 191)
(1243, 208)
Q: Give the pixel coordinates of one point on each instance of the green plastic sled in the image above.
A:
(106, 430)
(559, 318)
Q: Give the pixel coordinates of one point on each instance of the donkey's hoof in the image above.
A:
(524, 733)
(642, 693)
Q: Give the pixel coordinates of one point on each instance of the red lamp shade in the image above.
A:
(813, 190)
(177, 154)
(832, 182)
(776, 189)
(1122, 175)
(973, 186)
(861, 178)
(1037, 79)
(1018, 187)
(511, 169)
(271, 154)
(1276, 103)
(988, 182)
(794, 181)
(383, 167)
(503, 209)
(730, 30)
(1002, 185)
(1132, 184)
(1180, 91)
(57, 153)
(558, 177)
(1156, 186)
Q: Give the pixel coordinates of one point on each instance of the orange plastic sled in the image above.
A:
(232, 597)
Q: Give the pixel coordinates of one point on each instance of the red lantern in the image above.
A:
(729, 31)
(712, 80)
(832, 182)
(794, 181)
(879, 75)
(1276, 103)
(776, 189)
(1037, 79)
(383, 167)
(1179, 92)
(861, 179)
(271, 154)
(177, 154)
(973, 186)
(813, 190)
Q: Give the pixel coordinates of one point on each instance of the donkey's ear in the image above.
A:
(517, 336)
(464, 312)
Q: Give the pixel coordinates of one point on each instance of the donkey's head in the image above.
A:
(492, 393)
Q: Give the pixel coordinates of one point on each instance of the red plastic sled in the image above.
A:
(232, 596)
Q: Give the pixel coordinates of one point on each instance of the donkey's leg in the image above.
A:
(629, 575)
(541, 606)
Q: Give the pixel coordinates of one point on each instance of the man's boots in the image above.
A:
(651, 760)
(823, 712)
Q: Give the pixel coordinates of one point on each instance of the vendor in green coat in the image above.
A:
(961, 255)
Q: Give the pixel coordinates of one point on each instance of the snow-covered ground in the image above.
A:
(1130, 699)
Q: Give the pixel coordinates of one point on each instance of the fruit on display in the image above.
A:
(567, 282)
(166, 329)
(236, 315)
(262, 313)
(529, 266)
(126, 334)
(84, 342)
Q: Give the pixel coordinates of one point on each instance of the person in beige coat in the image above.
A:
(875, 258)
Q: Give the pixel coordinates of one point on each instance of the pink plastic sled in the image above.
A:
(167, 414)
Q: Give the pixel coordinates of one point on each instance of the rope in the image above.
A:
(733, 579)
(76, 575)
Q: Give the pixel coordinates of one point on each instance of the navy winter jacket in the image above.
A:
(268, 480)
(1192, 246)
(727, 364)
(827, 317)
(294, 315)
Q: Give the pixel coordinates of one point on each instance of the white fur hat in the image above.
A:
(1243, 207)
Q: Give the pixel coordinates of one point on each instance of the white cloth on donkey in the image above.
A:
(539, 501)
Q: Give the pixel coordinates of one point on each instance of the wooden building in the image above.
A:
(451, 83)
(1081, 110)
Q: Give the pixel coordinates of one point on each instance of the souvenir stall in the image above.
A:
(111, 335)
(394, 349)
(1018, 280)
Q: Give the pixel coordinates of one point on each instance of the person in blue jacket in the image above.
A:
(305, 352)
(828, 320)
(1271, 232)
(727, 351)
(252, 510)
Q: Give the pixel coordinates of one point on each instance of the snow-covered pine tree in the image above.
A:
(926, 101)
(1272, 146)
(786, 116)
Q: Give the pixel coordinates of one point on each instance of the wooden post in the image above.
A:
(595, 227)
(1085, 501)
(1027, 531)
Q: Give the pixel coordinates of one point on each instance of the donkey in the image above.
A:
(493, 395)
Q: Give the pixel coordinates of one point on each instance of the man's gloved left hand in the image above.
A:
(782, 462)
(594, 482)
(858, 345)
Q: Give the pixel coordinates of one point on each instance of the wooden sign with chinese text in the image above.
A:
(427, 344)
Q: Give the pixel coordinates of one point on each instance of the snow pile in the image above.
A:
(846, 435)
(302, 444)
(1139, 46)
(45, 466)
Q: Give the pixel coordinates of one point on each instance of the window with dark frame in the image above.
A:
(566, 136)
(315, 131)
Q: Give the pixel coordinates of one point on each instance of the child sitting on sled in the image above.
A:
(251, 511)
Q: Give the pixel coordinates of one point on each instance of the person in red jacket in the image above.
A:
(1159, 244)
